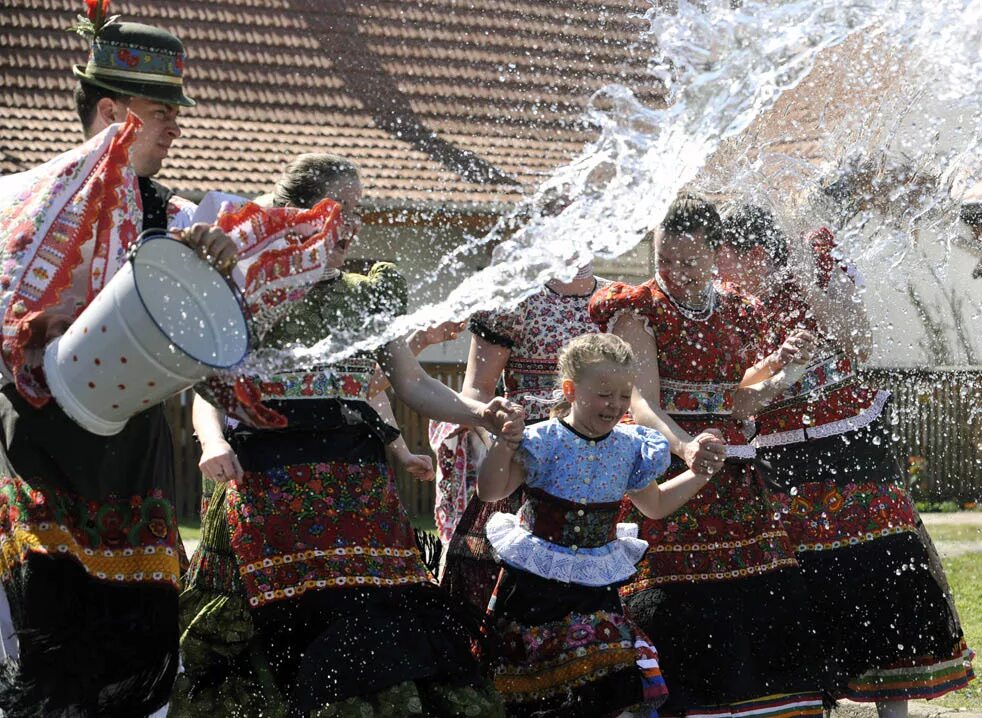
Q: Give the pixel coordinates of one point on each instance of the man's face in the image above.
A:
(160, 129)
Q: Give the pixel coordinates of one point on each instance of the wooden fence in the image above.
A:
(937, 420)
(936, 416)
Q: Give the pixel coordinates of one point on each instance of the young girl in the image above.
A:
(568, 649)
(518, 347)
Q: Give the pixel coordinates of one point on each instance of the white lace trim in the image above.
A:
(833, 428)
(601, 566)
(740, 451)
(616, 317)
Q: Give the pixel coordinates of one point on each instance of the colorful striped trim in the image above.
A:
(141, 564)
(908, 682)
(342, 581)
(845, 542)
(541, 683)
(716, 545)
(782, 705)
(387, 552)
(774, 565)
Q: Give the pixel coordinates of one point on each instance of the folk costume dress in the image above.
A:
(309, 596)
(720, 586)
(90, 555)
(534, 333)
(567, 649)
(887, 627)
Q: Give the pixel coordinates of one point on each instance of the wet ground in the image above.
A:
(949, 549)
(916, 709)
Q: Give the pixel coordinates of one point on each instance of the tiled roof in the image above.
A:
(439, 100)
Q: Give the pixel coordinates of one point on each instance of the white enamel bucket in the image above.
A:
(164, 322)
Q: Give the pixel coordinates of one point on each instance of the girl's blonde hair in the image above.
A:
(584, 352)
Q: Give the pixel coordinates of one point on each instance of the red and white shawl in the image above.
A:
(66, 228)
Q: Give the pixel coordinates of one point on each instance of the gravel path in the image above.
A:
(960, 518)
(916, 709)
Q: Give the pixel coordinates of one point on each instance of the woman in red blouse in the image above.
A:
(719, 589)
(887, 631)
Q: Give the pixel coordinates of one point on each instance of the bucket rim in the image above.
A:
(154, 234)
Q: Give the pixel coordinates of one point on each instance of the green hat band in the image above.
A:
(110, 61)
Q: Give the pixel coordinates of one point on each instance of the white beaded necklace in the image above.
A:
(696, 314)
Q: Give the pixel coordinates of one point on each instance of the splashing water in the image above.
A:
(725, 68)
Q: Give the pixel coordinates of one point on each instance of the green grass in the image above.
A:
(190, 530)
(965, 577)
(424, 522)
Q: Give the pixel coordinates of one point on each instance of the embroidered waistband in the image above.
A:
(348, 381)
(567, 523)
(695, 398)
(832, 428)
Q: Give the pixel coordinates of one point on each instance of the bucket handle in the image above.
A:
(160, 233)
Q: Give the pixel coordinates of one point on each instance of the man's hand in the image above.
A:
(212, 245)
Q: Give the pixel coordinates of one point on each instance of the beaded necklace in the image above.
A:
(696, 314)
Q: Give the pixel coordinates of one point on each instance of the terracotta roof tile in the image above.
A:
(438, 100)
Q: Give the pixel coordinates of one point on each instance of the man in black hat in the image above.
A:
(88, 531)
(140, 69)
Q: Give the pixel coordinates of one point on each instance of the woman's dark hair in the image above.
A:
(751, 226)
(306, 179)
(689, 214)
(87, 97)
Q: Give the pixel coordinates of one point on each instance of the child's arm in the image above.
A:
(658, 501)
(501, 472)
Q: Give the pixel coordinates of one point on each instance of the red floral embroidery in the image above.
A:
(328, 522)
(731, 529)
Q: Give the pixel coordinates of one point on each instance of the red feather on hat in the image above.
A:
(95, 18)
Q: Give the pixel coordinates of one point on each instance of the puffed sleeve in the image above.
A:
(389, 291)
(653, 459)
(501, 328)
(619, 297)
(534, 451)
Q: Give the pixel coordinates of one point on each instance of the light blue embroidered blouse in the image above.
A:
(567, 465)
(564, 463)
